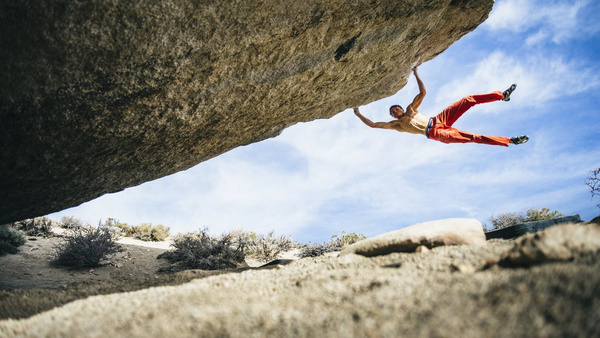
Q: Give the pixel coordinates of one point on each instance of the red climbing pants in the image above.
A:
(440, 126)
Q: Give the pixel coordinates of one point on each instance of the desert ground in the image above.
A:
(445, 291)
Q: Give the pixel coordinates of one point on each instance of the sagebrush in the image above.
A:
(145, 231)
(337, 243)
(87, 247)
(202, 251)
(264, 247)
(38, 226)
(72, 223)
(10, 240)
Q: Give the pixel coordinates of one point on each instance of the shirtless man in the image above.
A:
(439, 127)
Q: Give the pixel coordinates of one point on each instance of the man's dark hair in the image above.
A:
(396, 105)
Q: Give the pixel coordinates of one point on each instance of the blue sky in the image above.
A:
(320, 178)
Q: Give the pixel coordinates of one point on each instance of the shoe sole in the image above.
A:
(509, 90)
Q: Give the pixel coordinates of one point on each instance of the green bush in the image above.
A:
(87, 247)
(10, 240)
(509, 219)
(202, 251)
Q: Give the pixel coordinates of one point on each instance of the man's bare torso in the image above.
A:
(416, 124)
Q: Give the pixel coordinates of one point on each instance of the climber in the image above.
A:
(439, 127)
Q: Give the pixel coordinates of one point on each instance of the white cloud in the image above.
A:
(536, 38)
(558, 21)
(540, 79)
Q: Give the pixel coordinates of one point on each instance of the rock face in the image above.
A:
(438, 294)
(453, 231)
(97, 96)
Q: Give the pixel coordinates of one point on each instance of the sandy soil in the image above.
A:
(29, 284)
(447, 291)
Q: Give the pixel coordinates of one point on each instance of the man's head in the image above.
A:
(396, 111)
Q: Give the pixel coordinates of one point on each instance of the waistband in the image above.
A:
(429, 127)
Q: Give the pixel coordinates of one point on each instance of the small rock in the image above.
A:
(463, 268)
(421, 249)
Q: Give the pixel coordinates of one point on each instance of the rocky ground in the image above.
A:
(447, 291)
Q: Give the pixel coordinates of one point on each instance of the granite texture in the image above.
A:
(97, 96)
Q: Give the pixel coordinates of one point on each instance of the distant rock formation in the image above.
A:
(98, 96)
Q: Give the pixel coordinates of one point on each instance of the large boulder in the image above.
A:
(452, 231)
(97, 96)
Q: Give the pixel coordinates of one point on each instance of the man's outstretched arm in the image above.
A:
(412, 108)
(382, 125)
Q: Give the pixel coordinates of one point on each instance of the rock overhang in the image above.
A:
(99, 96)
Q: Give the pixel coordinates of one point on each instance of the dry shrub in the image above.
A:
(593, 183)
(202, 251)
(39, 226)
(506, 219)
(344, 239)
(10, 240)
(531, 215)
(145, 231)
(337, 243)
(265, 247)
(149, 232)
(87, 247)
(315, 250)
(72, 223)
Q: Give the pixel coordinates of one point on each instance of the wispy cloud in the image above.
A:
(540, 79)
(540, 21)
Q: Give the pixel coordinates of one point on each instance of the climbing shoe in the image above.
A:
(519, 139)
(509, 91)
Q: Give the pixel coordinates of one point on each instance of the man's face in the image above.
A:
(396, 112)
